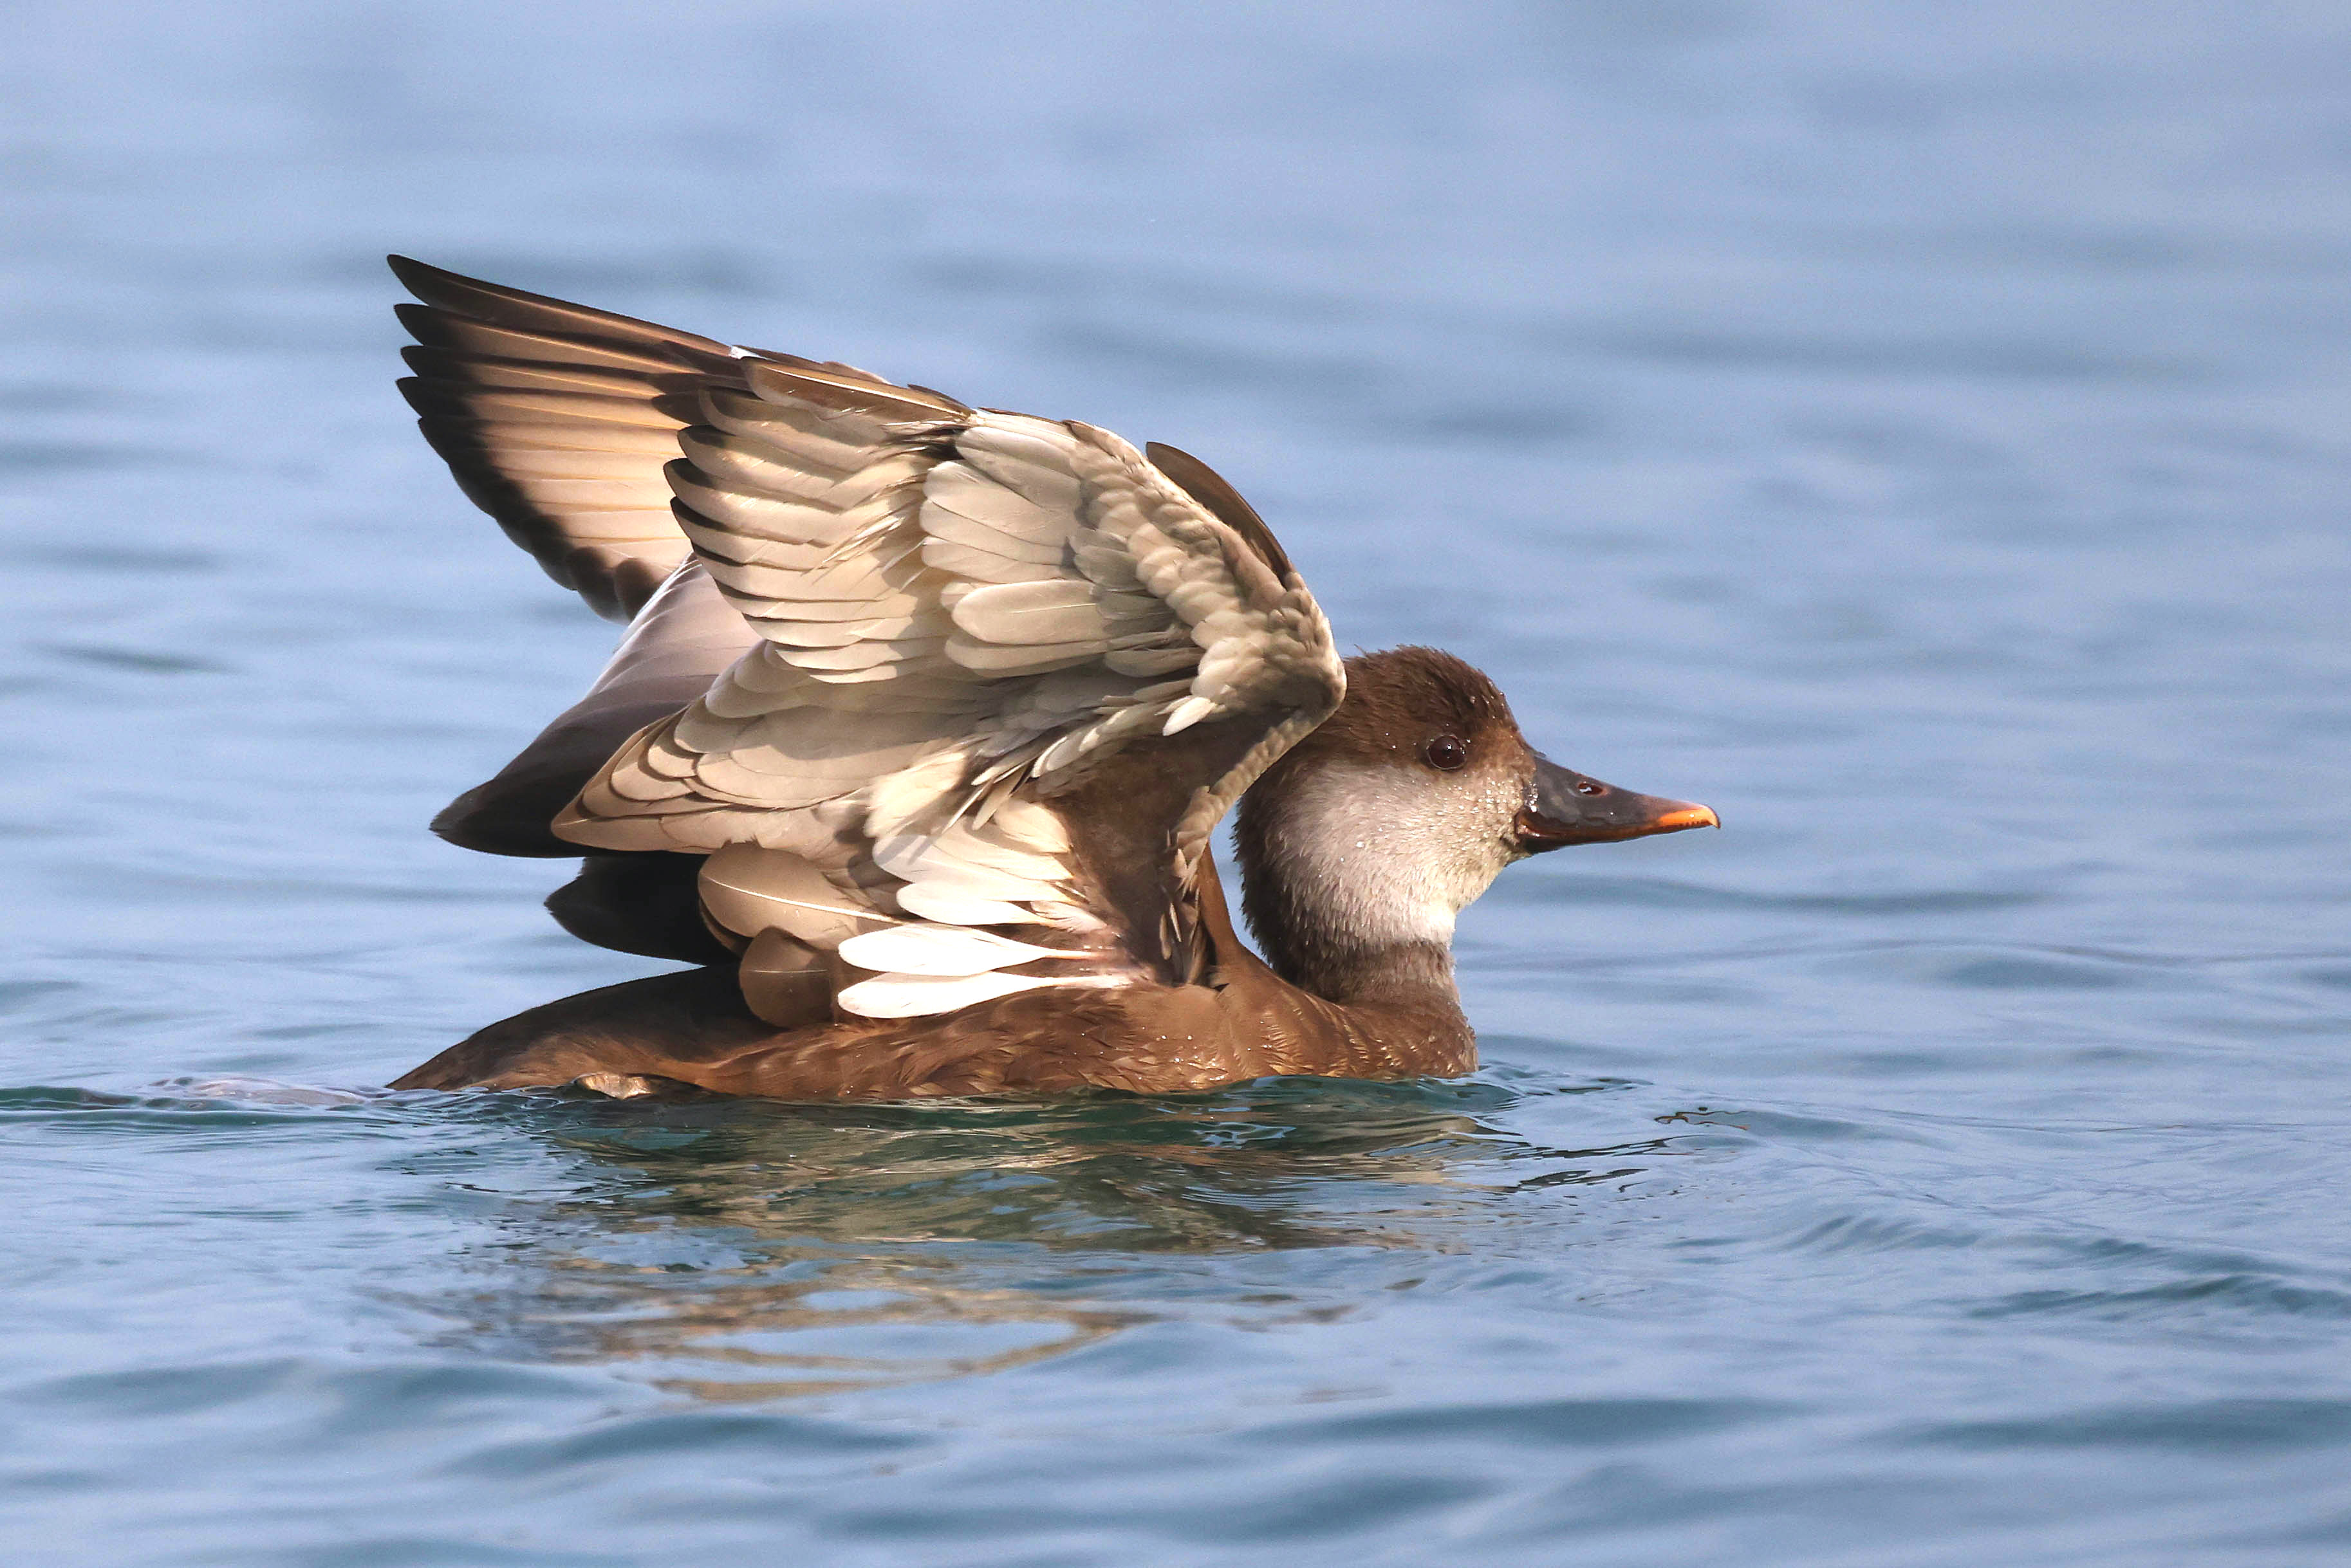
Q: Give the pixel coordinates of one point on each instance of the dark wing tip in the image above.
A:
(501, 305)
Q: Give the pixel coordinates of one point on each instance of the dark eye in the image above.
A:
(1446, 752)
(1590, 786)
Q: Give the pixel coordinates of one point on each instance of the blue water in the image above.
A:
(1918, 432)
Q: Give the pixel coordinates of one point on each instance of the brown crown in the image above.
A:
(1400, 700)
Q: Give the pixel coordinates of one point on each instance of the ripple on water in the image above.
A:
(134, 660)
(2214, 1426)
(2025, 972)
(2258, 1294)
(191, 1105)
(608, 1453)
(1668, 893)
(1554, 1423)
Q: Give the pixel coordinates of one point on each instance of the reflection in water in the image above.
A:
(743, 1249)
(855, 1323)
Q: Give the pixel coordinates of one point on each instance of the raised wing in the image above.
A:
(1008, 675)
(557, 420)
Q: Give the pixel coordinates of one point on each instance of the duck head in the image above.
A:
(1376, 831)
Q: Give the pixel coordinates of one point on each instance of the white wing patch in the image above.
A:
(955, 613)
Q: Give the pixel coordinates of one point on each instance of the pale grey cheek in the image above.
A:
(1404, 841)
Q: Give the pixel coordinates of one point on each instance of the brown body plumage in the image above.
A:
(917, 752)
(1239, 1021)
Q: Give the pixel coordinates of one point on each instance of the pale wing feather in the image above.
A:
(901, 995)
(957, 611)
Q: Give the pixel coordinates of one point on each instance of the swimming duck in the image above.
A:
(922, 719)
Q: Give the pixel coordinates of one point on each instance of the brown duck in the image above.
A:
(919, 730)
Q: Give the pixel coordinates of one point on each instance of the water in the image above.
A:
(1918, 432)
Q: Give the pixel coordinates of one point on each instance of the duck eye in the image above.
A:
(1590, 786)
(1446, 752)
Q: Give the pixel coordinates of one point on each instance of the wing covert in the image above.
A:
(968, 621)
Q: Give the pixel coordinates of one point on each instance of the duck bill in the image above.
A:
(1566, 807)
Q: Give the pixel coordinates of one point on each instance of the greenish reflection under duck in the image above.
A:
(738, 1251)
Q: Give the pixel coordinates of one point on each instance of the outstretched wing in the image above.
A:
(1008, 674)
(558, 420)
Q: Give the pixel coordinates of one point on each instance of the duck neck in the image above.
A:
(1333, 914)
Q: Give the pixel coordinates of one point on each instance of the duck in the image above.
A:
(921, 726)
